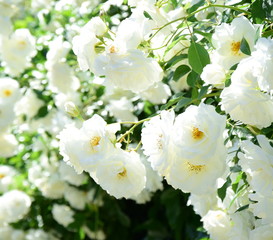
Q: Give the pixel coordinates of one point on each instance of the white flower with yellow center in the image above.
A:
(6, 177)
(198, 133)
(121, 174)
(197, 149)
(227, 39)
(17, 51)
(9, 91)
(193, 177)
(155, 138)
(83, 148)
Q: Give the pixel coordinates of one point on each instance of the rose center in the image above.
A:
(195, 168)
(95, 141)
(122, 174)
(113, 49)
(197, 134)
(159, 142)
(2, 175)
(235, 47)
(7, 92)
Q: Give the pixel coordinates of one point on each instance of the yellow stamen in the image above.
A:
(122, 174)
(7, 92)
(95, 141)
(113, 49)
(197, 134)
(2, 176)
(159, 142)
(195, 168)
(235, 47)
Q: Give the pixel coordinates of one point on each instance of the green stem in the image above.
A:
(122, 137)
(138, 145)
(231, 7)
(197, 11)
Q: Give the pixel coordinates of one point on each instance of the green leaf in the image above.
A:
(236, 168)
(236, 183)
(198, 57)
(173, 43)
(257, 11)
(181, 71)
(244, 47)
(205, 35)
(182, 103)
(42, 112)
(209, 101)
(172, 101)
(227, 82)
(242, 208)
(147, 15)
(196, 6)
(192, 78)
(202, 92)
(175, 60)
(262, 9)
(222, 190)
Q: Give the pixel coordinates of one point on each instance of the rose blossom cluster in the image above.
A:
(89, 104)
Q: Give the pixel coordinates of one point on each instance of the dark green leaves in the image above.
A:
(244, 47)
(222, 190)
(147, 15)
(42, 112)
(175, 60)
(182, 103)
(192, 78)
(262, 9)
(198, 57)
(180, 72)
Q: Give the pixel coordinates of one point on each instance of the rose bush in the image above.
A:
(126, 119)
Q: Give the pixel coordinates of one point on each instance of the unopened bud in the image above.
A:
(71, 109)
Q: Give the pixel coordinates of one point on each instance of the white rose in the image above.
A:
(155, 138)
(122, 174)
(244, 101)
(263, 67)
(214, 74)
(9, 91)
(8, 145)
(62, 214)
(198, 133)
(130, 70)
(14, 205)
(227, 39)
(17, 51)
(83, 148)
